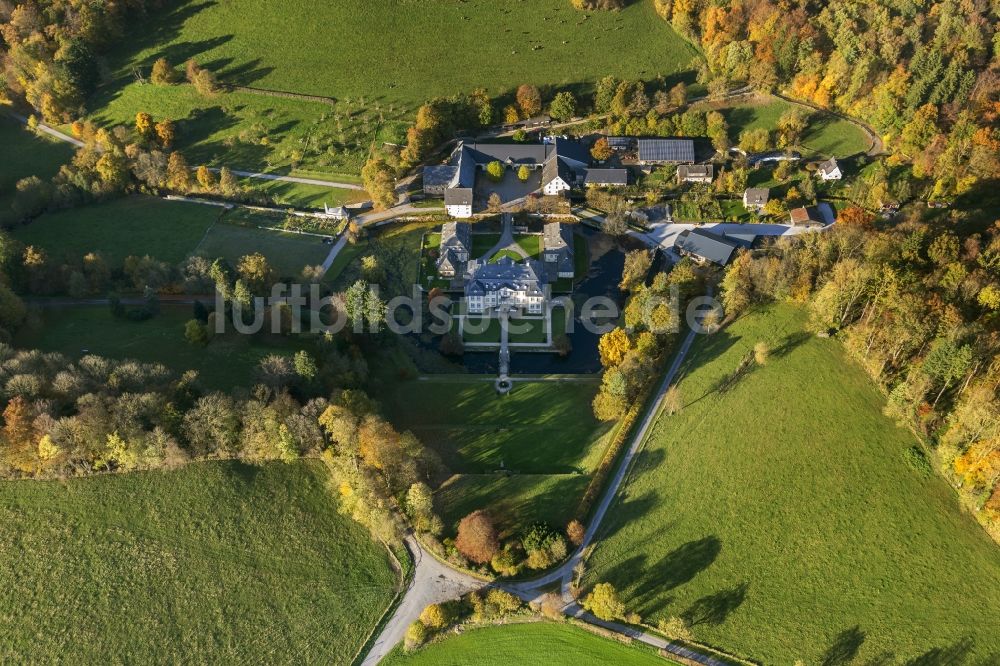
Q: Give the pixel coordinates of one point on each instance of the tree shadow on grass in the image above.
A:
(715, 608)
(952, 655)
(845, 647)
(676, 568)
(790, 344)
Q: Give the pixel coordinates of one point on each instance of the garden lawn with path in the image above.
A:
(214, 562)
(554, 644)
(782, 515)
(826, 134)
(136, 225)
(543, 434)
(302, 195)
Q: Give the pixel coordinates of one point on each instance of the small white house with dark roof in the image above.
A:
(695, 173)
(606, 178)
(557, 251)
(705, 246)
(505, 283)
(829, 170)
(755, 198)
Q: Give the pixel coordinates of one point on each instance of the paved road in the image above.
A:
(432, 583)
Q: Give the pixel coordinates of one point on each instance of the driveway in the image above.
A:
(432, 583)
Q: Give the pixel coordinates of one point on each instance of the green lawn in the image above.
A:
(475, 330)
(370, 50)
(228, 361)
(26, 154)
(301, 195)
(534, 643)
(531, 244)
(483, 243)
(213, 563)
(780, 516)
(543, 432)
(138, 225)
(288, 253)
(510, 254)
(826, 135)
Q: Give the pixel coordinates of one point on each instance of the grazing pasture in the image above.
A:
(778, 513)
(215, 562)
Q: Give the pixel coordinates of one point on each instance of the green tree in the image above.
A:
(379, 179)
(305, 365)
(495, 170)
(196, 333)
(563, 106)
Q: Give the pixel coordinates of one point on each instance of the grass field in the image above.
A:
(397, 250)
(26, 154)
(214, 563)
(532, 643)
(167, 230)
(370, 49)
(827, 135)
(288, 253)
(544, 433)
(229, 360)
(301, 195)
(779, 515)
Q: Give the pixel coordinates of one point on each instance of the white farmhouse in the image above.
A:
(829, 170)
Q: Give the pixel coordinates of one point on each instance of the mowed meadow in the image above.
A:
(214, 563)
(780, 514)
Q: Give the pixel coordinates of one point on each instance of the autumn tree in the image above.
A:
(529, 100)
(575, 532)
(144, 126)
(206, 179)
(379, 179)
(601, 150)
(613, 347)
(604, 602)
(637, 265)
(477, 537)
(165, 133)
(163, 73)
(178, 173)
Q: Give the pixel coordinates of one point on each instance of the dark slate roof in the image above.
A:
(706, 245)
(607, 177)
(666, 150)
(756, 196)
(558, 238)
(572, 150)
(438, 177)
(557, 166)
(515, 153)
(522, 277)
(695, 171)
(456, 236)
(458, 196)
